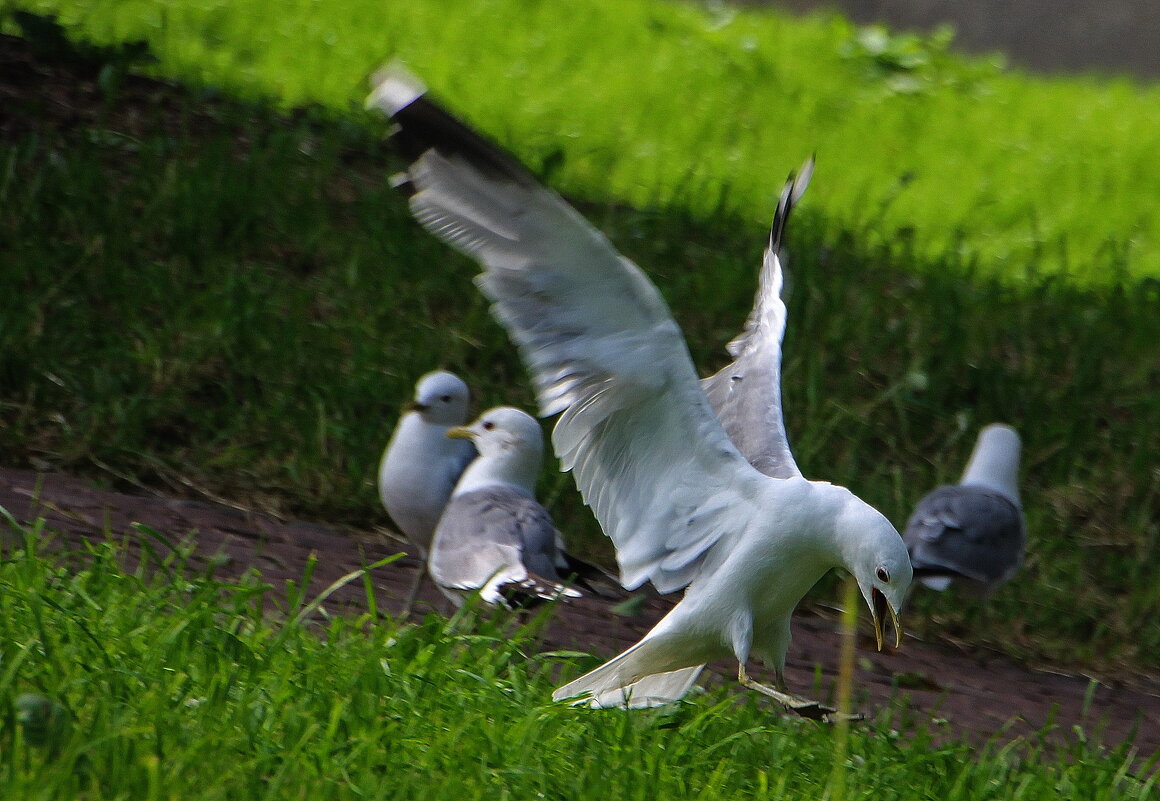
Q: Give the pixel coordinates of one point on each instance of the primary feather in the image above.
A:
(746, 394)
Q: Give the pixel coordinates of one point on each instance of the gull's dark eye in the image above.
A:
(488, 425)
(445, 398)
(883, 574)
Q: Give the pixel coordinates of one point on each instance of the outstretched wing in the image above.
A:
(644, 446)
(747, 393)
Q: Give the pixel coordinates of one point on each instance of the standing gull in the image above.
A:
(682, 506)
(972, 533)
(494, 536)
(421, 466)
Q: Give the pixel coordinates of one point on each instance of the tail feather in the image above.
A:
(655, 690)
(637, 678)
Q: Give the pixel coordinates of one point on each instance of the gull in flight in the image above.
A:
(681, 504)
(494, 537)
(421, 466)
(972, 533)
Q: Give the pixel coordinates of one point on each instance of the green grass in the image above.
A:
(661, 103)
(165, 682)
(215, 300)
(243, 313)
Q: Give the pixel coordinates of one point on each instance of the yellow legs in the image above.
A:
(814, 710)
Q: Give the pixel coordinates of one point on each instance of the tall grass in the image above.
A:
(162, 682)
(654, 103)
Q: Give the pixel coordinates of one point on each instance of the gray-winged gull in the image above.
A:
(649, 456)
(972, 533)
(420, 465)
(494, 537)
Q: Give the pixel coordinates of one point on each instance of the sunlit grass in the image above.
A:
(659, 103)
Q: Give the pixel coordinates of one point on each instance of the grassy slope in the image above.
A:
(242, 315)
(163, 684)
(656, 102)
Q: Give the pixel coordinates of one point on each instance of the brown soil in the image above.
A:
(974, 695)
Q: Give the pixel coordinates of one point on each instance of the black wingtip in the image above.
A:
(534, 591)
(795, 186)
(421, 124)
(401, 181)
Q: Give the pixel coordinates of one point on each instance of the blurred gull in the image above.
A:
(972, 533)
(421, 466)
(683, 507)
(494, 536)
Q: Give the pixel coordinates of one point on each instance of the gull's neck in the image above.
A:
(511, 467)
(994, 463)
(827, 503)
(432, 436)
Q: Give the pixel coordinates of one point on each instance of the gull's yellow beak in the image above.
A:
(460, 432)
(414, 406)
(879, 610)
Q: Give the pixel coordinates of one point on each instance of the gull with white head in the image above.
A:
(421, 466)
(683, 507)
(494, 537)
(972, 533)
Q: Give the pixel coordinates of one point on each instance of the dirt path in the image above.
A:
(971, 695)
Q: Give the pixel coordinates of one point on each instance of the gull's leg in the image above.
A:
(814, 710)
(413, 594)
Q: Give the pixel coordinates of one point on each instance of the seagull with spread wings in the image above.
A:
(681, 504)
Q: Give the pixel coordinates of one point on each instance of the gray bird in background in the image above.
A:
(972, 533)
(421, 466)
(494, 536)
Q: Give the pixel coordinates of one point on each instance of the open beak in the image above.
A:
(879, 610)
(459, 432)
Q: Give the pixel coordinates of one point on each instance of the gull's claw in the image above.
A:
(805, 707)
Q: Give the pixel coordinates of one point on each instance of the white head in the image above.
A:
(511, 449)
(441, 398)
(994, 462)
(875, 553)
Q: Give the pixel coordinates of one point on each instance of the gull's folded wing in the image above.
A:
(646, 449)
(968, 532)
